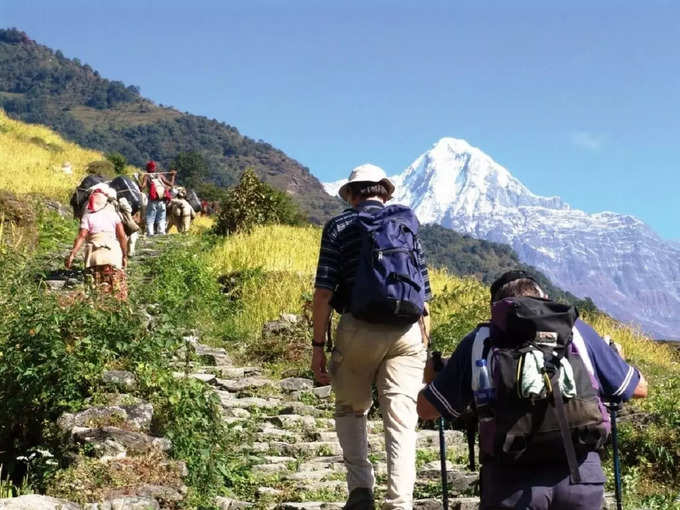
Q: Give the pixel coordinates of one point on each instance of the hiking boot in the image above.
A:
(360, 499)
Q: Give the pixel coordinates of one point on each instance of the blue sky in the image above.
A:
(575, 100)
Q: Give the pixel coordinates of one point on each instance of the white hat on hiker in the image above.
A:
(366, 173)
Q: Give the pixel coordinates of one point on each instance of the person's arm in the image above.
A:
(641, 388)
(122, 240)
(426, 410)
(450, 393)
(321, 311)
(618, 380)
(427, 321)
(80, 239)
(326, 280)
(169, 182)
(142, 182)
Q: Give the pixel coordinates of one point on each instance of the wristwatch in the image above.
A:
(318, 344)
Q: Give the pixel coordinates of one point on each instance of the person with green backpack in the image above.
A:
(371, 270)
(536, 376)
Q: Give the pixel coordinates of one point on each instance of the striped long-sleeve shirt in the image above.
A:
(339, 255)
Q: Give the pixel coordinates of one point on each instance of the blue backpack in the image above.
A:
(389, 287)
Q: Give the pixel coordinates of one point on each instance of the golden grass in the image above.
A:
(272, 248)
(202, 224)
(638, 347)
(32, 157)
(287, 257)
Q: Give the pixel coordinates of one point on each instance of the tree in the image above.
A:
(252, 202)
(191, 167)
(117, 160)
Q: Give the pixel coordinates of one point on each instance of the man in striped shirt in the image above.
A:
(389, 355)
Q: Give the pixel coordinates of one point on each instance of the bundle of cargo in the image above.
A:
(127, 188)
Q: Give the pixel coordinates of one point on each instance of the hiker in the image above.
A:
(180, 212)
(388, 349)
(157, 189)
(530, 460)
(106, 246)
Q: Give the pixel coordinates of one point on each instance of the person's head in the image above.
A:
(97, 201)
(151, 166)
(516, 283)
(366, 182)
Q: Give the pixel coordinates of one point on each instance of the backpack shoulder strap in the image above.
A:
(478, 349)
(567, 440)
(582, 350)
(483, 332)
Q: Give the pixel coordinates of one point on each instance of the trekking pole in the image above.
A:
(614, 407)
(438, 365)
(471, 432)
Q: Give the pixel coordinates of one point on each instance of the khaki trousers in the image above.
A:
(393, 358)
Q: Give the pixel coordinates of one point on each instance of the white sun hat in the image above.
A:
(367, 173)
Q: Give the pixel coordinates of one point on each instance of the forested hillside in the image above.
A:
(39, 85)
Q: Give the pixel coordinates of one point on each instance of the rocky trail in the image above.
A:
(295, 455)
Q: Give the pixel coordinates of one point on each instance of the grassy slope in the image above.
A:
(32, 157)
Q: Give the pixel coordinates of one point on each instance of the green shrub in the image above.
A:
(104, 168)
(187, 290)
(54, 231)
(117, 160)
(252, 202)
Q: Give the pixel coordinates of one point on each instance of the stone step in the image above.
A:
(335, 486)
(268, 432)
(334, 463)
(307, 476)
(302, 449)
(268, 493)
(293, 421)
(203, 377)
(242, 384)
(277, 468)
(271, 459)
(251, 403)
(296, 384)
(454, 504)
(300, 408)
(311, 505)
(459, 480)
(114, 442)
(430, 438)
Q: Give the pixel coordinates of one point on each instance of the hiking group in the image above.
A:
(110, 216)
(535, 378)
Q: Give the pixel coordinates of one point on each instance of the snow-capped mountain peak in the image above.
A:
(456, 177)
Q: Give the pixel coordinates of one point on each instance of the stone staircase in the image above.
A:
(297, 446)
